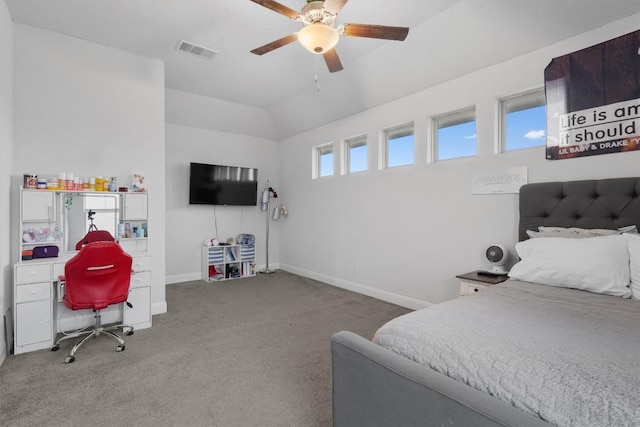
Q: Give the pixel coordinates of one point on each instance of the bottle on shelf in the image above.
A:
(62, 181)
(69, 182)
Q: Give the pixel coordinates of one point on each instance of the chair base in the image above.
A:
(95, 331)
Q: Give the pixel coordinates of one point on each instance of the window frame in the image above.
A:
(317, 153)
(511, 104)
(449, 119)
(349, 144)
(393, 133)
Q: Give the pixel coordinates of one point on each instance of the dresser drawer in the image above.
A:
(141, 263)
(141, 280)
(33, 273)
(33, 292)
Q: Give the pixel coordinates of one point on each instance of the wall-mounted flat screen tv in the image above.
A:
(222, 185)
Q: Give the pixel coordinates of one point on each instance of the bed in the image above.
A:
(522, 353)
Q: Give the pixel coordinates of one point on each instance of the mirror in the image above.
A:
(82, 212)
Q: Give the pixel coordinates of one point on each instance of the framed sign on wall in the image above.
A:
(593, 100)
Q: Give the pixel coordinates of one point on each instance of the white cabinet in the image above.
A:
(33, 324)
(38, 206)
(228, 262)
(33, 307)
(37, 225)
(135, 206)
(139, 315)
(134, 220)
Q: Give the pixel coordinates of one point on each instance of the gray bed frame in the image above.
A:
(373, 386)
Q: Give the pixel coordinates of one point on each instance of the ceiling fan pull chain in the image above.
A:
(315, 77)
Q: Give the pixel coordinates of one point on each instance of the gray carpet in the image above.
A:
(247, 352)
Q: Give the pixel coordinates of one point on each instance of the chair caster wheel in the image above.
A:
(55, 348)
(129, 332)
(69, 359)
(120, 347)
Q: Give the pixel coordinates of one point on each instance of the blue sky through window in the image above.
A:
(523, 129)
(526, 128)
(326, 163)
(457, 141)
(400, 151)
(358, 158)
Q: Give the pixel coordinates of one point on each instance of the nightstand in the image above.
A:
(475, 281)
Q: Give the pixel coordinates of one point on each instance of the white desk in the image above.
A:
(38, 315)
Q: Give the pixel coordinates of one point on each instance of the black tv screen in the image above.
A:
(222, 185)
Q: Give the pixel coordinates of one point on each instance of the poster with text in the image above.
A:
(593, 100)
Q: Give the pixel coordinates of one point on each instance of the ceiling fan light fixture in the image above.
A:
(318, 38)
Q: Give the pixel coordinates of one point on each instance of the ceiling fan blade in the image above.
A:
(275, 44)
(375, 31)
(277, 7)
(332, 60)
(334, 6)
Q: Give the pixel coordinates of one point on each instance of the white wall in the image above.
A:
(188, 225)
(92, 110)
(203, 112)
(402, 234)
(6, 130)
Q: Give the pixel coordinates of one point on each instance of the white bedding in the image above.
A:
(570, 357)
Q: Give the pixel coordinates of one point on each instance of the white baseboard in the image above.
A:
(400, 300)
(179, 278)
(189, 277)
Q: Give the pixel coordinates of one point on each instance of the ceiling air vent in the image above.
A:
(196, 50)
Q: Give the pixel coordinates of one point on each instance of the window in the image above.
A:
(456, 135)
(523, 121)
(355, 154)
(323, 161)
(399, 146)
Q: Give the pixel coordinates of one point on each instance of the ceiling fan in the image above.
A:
(318, 34)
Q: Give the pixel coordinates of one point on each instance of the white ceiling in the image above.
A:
(447, 38)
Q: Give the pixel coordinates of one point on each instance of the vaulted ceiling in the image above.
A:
(447, 38)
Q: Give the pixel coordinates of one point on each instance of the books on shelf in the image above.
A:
(226, 262)
(248, 268)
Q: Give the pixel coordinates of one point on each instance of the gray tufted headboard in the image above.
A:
(601, 203)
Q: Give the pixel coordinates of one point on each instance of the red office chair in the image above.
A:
(95, 236)
(96, 277)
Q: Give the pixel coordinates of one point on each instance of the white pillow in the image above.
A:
(633, 241)
(596, 264)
